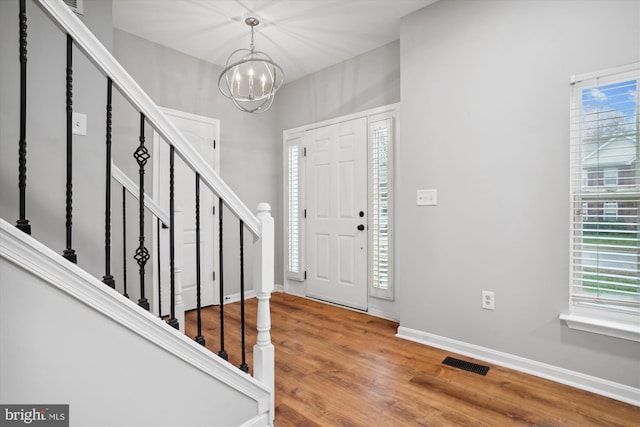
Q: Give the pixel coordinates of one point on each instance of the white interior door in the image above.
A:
(336, 225)
(201, 132)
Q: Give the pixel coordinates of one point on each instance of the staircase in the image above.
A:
(72, 335)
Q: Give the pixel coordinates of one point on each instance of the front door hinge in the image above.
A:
(305, 213)
(214, 275)
(304, 151)
(305, 275)
(214, 210)
(214, 144)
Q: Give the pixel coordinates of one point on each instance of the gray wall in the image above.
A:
(250, 147)
(485, 120)
(107, 374)
(361, 83)
(46, 140)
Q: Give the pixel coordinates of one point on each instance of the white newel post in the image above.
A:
(179, 265)
(263, 351)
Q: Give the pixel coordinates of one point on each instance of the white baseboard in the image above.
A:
(231, 298)
(621, 392)
(298, 289)
(382, 314)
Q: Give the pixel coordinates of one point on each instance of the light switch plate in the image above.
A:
(79, 124)
(427, 197)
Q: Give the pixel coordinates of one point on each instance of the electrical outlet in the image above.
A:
(488, 300)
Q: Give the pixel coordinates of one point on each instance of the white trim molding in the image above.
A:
(613, 390)
(257, 421)
(598, 321)
(231, 298)
(382, 314)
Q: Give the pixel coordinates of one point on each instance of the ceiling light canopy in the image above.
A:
(251, 78)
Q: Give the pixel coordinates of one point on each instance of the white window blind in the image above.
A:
(605, 190)
(380, 139)
(293, 211)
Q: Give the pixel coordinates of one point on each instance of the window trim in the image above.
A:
(601, 322)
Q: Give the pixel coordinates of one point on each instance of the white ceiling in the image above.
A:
(302, 36)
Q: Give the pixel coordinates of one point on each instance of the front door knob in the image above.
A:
(361, 227)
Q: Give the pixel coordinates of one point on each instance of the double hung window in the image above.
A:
(605, 194)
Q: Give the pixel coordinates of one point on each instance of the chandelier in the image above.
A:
(251, 78)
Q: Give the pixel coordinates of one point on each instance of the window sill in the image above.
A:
(622, 326)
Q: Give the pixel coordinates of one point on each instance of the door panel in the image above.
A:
(322, 256)
(336, 191)
(200, 132)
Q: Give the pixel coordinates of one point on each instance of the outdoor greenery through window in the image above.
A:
(605, 190)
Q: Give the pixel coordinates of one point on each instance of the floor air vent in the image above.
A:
(467, 366)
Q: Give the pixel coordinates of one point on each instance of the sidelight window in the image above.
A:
(293, 211)
(380, 183)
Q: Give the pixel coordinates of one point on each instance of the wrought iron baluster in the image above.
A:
(69, 253)
(108, 278)
(222, 353)
(172, 238)
(124, 242)
(243, 366)
(142, 254)
(199, 338)
(23, 223)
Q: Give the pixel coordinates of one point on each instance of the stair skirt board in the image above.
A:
(257, 421)
(32, 256)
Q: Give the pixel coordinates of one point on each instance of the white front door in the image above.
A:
(201, 132)
(336, 209)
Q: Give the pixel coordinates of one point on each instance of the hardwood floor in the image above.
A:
(337, 367)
